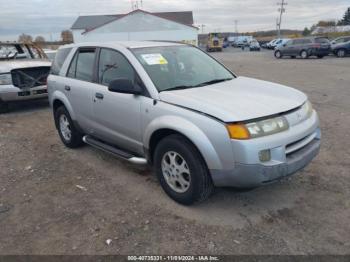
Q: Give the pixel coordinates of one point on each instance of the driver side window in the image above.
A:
(113, 65)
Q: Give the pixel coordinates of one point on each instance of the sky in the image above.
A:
(50, 17)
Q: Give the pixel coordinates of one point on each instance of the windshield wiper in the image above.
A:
(215, 81)
(182, 87)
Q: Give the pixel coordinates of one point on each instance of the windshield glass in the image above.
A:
(180, 67)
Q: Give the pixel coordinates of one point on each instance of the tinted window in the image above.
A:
(307, 41)
(322, 40)
(113, 65)
(298, 42)
(85, 65)
(59, 60)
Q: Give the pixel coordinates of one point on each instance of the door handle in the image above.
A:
(67, 88)
(99, 96)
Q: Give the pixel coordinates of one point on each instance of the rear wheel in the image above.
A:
(278, 54)
(341, 53)
(69, 135)
(304, 54)
(181, 171)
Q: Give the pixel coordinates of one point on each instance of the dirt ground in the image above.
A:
(59, 201)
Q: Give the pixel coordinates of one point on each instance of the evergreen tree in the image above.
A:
(346, 18)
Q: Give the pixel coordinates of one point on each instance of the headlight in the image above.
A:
(307, 108)
(5, 79)
(258, 129)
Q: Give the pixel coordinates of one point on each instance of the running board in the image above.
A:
(114, 151)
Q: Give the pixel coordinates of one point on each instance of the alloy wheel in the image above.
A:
(176, 172)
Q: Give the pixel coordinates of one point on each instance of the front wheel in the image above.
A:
(182, 171)
(278, 54)
(69, 135)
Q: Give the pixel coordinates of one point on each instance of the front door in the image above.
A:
(117, 116)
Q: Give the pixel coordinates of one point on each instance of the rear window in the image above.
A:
(59, 60)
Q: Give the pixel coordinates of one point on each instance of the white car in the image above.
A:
(23, 72)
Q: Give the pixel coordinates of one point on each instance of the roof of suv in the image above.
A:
(126, 44)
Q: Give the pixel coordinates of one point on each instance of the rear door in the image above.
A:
(78, 86)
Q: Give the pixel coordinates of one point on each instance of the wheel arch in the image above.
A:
(59, 99)
(169, 125)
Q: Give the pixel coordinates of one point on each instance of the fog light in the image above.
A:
(265, 155)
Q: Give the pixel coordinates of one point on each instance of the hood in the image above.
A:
(240, 99)
(7, 65)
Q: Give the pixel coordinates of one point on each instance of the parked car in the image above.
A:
(177, 108)
(340, 40)
(342, 49)
(270, 44)
(254, 46)
(304, 47)
(23, 73)
(280, 42)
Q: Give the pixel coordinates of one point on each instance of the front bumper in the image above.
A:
(258, 175)
(290, 151)
(10, 93)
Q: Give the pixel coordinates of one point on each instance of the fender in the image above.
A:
(189, 130)
(58, 95)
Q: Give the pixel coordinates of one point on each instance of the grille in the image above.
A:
(30, 77)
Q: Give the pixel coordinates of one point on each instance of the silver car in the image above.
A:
(177, 108)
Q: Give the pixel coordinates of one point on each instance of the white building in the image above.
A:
(136, 25)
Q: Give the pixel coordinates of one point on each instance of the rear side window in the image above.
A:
(59, 60)
(321, 40)
(82, 65)
(113, 65)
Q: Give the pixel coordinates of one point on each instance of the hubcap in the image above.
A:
(304, 54)
(341, 53)
(278, 54)
(176, 172)
(65, 128)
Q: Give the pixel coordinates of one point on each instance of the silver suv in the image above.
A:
(174, 106)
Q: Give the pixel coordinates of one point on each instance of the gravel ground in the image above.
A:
(59, 201)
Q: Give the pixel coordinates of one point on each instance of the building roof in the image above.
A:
(94, 21)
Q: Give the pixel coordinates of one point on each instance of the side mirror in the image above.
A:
(124, 86)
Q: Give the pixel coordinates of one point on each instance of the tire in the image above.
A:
(173, 152)
(65, 126)
(304, 54)
(278, 54)
(293, 57)
(320, 56)
(4, 107)
(341, 53)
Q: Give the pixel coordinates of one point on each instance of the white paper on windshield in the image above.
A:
(154, 59)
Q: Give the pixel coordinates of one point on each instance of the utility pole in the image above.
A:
(236, 27)
(202, 27)
(281, 10)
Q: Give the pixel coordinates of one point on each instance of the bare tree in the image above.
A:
(39, 39)
(25, 38)
(67, 36)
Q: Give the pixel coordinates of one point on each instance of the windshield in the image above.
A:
(180, 67)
